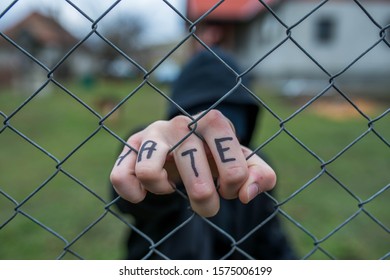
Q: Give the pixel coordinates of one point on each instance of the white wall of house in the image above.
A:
(334, 35)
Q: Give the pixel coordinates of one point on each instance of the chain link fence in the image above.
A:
(54, 196)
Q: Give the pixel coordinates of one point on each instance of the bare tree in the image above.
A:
(124, 31)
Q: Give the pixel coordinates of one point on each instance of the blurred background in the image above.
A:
(78, 76)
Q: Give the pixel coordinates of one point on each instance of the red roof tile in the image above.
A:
(229, 10)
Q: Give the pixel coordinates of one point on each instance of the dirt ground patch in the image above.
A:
(341, 109)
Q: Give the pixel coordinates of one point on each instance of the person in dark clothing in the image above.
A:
(241, 221)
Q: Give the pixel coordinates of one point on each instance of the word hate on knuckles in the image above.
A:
(150, 146)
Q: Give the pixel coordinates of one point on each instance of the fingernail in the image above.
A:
(253, 191)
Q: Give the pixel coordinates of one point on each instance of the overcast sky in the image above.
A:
(160, 21)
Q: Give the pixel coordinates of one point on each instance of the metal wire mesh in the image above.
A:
(15, 208)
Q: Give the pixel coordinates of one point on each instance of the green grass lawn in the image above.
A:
(68, 194)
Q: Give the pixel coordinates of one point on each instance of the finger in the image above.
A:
(261, 177)
(123, 177)
(149, 168)
(192, 164)
(226, 151)
(195, 172)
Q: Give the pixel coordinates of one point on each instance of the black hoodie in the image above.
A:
(165, 226)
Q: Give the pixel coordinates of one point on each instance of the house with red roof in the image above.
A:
(299, 45)
(44, 39)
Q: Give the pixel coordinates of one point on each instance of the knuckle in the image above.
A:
(231, 182)
(215, 114)
(201, 192)
(180, 123)
(135, 198)
(147, 173)
(234, 175)
(158, 123)
(116, 178)
(127, 188)
(215, 118)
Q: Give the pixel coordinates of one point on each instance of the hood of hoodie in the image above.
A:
(205, 80)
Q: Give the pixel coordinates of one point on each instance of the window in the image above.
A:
(325, 30)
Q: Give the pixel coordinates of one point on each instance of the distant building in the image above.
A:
(47, 41)
(334, 35)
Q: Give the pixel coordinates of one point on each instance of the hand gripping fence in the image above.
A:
(19, 221)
